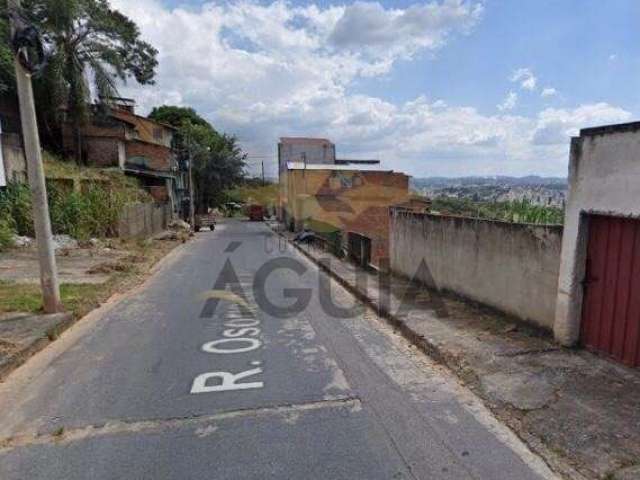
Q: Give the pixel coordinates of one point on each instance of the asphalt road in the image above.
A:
(203, 374)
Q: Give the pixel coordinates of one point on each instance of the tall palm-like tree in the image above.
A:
(90, 44)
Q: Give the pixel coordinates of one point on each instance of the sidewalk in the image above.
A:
(88, 277)
(581, 413)
(23, 334)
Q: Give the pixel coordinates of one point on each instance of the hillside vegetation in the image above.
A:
(522, 211)
(83, 202)
(266, 195)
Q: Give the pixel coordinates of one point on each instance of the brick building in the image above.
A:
(117, 137)
(349, 199)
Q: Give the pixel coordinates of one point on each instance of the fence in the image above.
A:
(143, 219)
(511, 267)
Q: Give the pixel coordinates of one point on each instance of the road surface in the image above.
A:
(204, 373)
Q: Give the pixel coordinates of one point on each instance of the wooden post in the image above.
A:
(35, 171)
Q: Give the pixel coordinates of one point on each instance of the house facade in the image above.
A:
(116, 137)
(347, 199)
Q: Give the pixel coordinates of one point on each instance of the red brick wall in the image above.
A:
(157, 157)
(361, 208)
(159, 193)
(102, 152)
(373, 223)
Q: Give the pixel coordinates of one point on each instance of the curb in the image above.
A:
(67, 320)
(558, 465)
(20, 357)
(431, 349)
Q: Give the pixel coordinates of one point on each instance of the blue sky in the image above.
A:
(448, 87)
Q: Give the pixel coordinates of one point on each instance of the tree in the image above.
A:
(87, 39)
(177, 116)
(218, 160)
(7, 73)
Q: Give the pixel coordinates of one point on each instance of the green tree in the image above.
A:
(218, 160)
(7, 74)
(178, 116)
(87, 40)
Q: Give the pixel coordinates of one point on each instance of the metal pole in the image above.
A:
(35, 171)
(262, 172)
(192, 215)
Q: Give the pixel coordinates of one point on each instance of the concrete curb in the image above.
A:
(67, 320)
(19, 358)
(432, 349)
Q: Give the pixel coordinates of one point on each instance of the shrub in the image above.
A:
(519, 211)
(91, 213)
(15, 208)
(6, 233)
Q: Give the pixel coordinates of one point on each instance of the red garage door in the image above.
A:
(611, 311)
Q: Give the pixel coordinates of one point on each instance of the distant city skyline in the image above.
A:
(449, 87)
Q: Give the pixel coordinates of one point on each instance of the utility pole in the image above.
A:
(263, 173)
(35, 170)
(192, 213)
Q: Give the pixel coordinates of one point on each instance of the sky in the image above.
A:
(438, 88)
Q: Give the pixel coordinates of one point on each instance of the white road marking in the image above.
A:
(227, 381)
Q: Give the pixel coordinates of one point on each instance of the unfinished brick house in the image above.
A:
(117, 137)
(346, 197)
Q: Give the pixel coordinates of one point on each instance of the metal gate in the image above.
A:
(611, 309)
(359, 248)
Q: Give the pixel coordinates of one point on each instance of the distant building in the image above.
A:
(305, 150)
(117, 137)
(339, 199)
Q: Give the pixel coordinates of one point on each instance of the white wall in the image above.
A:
(511, 267)
(604, 178)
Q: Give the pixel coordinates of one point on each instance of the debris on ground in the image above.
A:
(178, 224)
(166, 235)
(22, 241)
(109, 267)
(64, 241)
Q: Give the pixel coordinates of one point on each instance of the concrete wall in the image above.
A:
(309, 150)
(15, 167)
(511, 267)
(604, 178)
(143, 220)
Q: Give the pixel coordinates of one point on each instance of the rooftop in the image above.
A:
(331, 166)
(306, 140)
(607, 129)
(347, 161)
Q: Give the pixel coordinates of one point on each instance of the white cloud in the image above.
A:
(509, 102)
(367, 27)
(264, 70)
(613, 57)
(548, 92)
(525, 77)
(555, 126)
